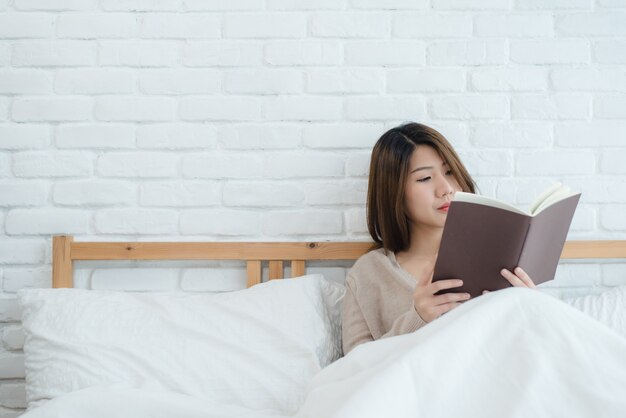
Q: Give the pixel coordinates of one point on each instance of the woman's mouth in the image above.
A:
(444, 208)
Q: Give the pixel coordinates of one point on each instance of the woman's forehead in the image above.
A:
(425, 155)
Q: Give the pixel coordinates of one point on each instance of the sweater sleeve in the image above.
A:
(355, 329)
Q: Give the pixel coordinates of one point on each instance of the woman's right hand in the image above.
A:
(430, 306)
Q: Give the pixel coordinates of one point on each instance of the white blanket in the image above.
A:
(512, 353)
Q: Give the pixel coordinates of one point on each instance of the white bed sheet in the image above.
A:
(512, 353)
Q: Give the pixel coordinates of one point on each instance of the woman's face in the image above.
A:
(429, 188)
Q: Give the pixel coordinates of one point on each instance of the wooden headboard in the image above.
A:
(65, 251)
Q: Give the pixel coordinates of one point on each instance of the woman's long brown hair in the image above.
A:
(387, 220)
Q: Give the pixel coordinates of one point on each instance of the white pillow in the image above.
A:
(257, 348)
(608, 307)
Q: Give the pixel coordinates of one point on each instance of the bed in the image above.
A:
(273, 350)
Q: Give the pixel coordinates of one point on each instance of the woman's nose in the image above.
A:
(445, 187)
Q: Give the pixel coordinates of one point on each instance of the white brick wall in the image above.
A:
(254, 120)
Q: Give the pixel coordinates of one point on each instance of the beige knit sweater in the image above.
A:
(378, 301)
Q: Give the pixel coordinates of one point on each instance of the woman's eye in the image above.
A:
(449, 173)
(424, 179)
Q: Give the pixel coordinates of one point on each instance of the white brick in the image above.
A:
(473, 5)
(47, 221)
(589, 79)
(139, 53)
(95, 193)
(136, 221)
(591, 24)
(220, 166)
(19, 251)
(309, 164)
(5, 165)
(377, 53)
(177, 194)
(179, 81)
(613, 162)
(134, 108)
(545, 51)
(23, 193)
(509, 79)
(491, 52)
(432, 25)
(12, 366)
(260, 194)
(310, 53)
(219, 222)
(25, 82)
(601, 190)
(353, 135)
(306, 4)
(265, 25)
(5, 53)
(391, 4)
(20, 136)
(487, 163)
(95, 136)
(470, 107)
(577, 275)
(308, 222)
(303, 108)
(13, 337)
(584, 219)
(553, 4)
(135, 279)
(273, 81)
(142, 5)
(26, 25)
(455, 132)
(431, 80)
(517, 26)
(214, 279)
(612, 3)
(554, 163)
(250, 136)
(349, 25)
(180, 26)
(612, 217)
(138, 164)
(336, 193)
(4, 108)
(54, 53)
(559, 106)
(602, 133)
(613, 274)
(56, 5)
(513, 135)
(356, 221)
(176, 136)
(610, 52)
(521, 192)
(223, 54)
(220, 5)
(52, 109)
(219, 108)
(52, 164)
(352, 80)
(386, 107)
(609, 107)
(13, 395)
(94, 81)
(98, 25)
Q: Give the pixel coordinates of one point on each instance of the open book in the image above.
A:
(482, 236)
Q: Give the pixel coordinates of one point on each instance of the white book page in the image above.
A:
(474, 198)
(543, 196)
(555, 198)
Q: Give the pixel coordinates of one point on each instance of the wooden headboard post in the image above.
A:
(65, 250)
(62, 263)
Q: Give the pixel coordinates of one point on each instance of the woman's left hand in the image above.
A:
(517, 278)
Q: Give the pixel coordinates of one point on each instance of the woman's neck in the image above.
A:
(424, 243)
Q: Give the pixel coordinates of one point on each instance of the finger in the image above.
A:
(512, 278)
(451, 297)
(442, 309)
(485, 292)
(524, 277)
(446, 284)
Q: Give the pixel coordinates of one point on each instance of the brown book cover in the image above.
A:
(481, 236)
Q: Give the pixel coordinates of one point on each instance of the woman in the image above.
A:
(414, 173)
